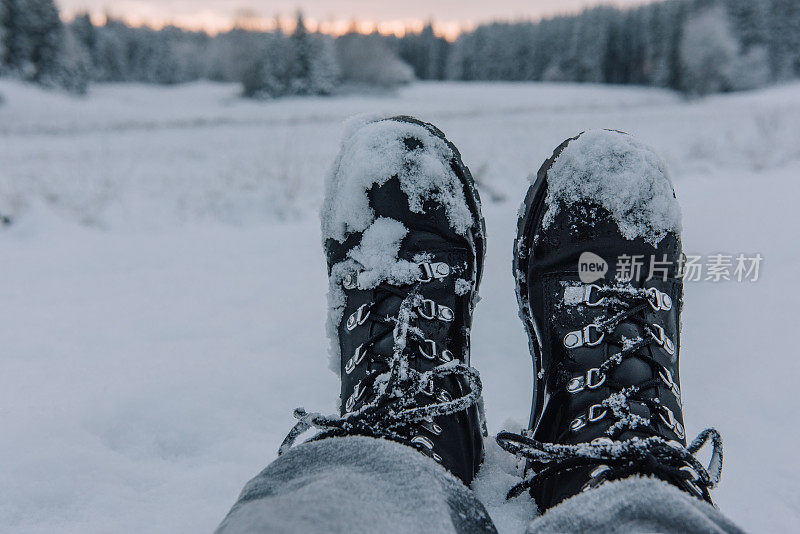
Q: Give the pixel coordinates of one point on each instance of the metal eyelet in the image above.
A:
(658, 299)
(431, 426)
(358, 357)
(662, 339)
(427, 309)
(358, 317)
(600, 469)
(679, 431)
(358, 392)
(443, 396)
(594, 416)
(666, 377)
(672, 423)
(446, 356)
(431, 271)
(593, 380)
(422, 440)
(428, 389)
(577, 423)
(427, 272)
(587, 296)
(350, 281)
(583, 337)
(431, 345)
(576, 384)
(445, 314)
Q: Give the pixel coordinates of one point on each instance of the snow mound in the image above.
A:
(619, 173)
(371, 153)
(378, 255)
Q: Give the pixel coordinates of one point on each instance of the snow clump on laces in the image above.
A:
(377, 255)
(619, 173)
(374, 260)
(372, 152)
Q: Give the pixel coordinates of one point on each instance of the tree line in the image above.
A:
(695, 46)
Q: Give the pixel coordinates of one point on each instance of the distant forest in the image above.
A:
(693, 46)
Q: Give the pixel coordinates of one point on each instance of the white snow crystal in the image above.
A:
(372, 153)
(621, 174)
(573, 295)
(463, 286)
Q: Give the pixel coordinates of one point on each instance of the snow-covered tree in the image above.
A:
(34, 34)
(110, 54)
(425, 52)
(74, 66)
(367, 60)
(751, 69)
(230, 55)
(784, 31)
(301, 57)
(709, 51)
(3, 22)
(271, 73)
(324, 71)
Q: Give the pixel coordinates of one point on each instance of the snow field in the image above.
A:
(163, 286)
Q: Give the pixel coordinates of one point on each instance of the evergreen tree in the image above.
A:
(34, 35)
(84, 30)
(74, 68)
(750, 20)
(368, 60)
(425, 52)
(110, 55)
(272, 73)
(301, 57)
(785, 38)
(324, 71)
(709, 51)
(3, 22)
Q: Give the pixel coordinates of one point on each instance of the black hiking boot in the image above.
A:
(404, 239)
(598, 264)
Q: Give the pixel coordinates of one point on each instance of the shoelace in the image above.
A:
(392, 406)
(619, 459)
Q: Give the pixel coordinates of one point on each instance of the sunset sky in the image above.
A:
(332, 17)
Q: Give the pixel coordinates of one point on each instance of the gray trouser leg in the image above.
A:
(633, 505)
(353, 485)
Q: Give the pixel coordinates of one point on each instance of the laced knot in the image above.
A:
(397, 399)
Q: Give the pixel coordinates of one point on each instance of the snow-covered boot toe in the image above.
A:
(598, 264)
(404, 239)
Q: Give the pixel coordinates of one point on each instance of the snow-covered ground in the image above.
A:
(162, 289)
